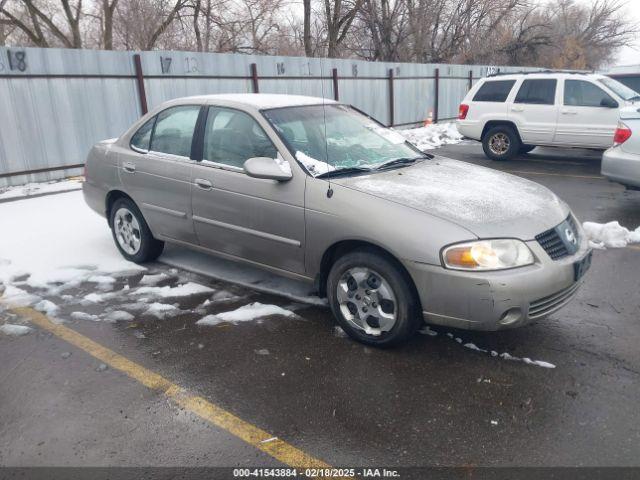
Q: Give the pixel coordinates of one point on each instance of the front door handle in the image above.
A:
(203, 184)
(129, 167)
(517, 109)
(569, 112)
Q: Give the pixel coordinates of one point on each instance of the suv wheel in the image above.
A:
(372, 299)
(131, 233)
(501, 143)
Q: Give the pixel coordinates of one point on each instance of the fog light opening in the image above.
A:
(511, 316)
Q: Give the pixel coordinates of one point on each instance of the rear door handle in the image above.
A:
(203, 184)
(569, 112)
(129, 167)
(517, 109)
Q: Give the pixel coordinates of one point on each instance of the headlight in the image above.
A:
(487, 255)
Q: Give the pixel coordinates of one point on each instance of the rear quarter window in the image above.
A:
(494, 91)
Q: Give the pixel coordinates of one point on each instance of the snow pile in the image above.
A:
(14, 330)
(432, 136)
(245, 313)
(118, 316)
(610, 235)
(39, 189)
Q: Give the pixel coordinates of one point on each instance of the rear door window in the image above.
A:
(173, 132)
(580, 93)
(494, 91)
(537, 91)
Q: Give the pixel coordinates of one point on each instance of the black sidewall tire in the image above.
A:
(514, 143)
(150, 248)
(408, 318)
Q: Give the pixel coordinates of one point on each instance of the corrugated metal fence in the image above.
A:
(56, 103)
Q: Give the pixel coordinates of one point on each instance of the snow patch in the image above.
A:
(610, 235)
(161, 310)
(153, 279)
(184, 290)
(118, 316)
(38, 189)
(14, 330)
(16, 297)
(84, 316)
(245, 313)
(315, 167)
(426, 330)
(46, 306)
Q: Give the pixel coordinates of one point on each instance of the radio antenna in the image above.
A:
(324, 122)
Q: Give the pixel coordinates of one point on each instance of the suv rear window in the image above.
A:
(494, 91)
(537, 91)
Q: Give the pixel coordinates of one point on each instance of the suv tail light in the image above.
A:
(623, 133)
(462, 111)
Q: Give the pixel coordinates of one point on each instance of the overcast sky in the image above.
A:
(628, 55)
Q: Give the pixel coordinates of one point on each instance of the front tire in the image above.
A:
(501, 143)
(372, 299)
(131, 233)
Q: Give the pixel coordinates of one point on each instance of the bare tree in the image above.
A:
(338, 17)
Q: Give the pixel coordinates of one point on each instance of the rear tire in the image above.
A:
(372, 299)
(524, 149)
(501, 143)
(131, 233)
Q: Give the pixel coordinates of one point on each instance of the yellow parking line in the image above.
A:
(597, 177)
(254, 436)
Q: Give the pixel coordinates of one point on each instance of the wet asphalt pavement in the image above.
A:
(430, 402)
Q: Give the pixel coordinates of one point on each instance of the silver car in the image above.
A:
(316, 190)
(621, 163)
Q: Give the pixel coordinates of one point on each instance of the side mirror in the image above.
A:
(268, 168)
(609, 103)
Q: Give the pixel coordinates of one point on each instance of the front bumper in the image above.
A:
(501, 299)
(622, 167)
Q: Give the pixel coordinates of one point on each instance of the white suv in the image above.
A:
(514, 113)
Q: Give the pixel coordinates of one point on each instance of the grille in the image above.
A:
(555, 244)
(551, 303)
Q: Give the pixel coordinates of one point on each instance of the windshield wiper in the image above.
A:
(401, 161)
(343, 171)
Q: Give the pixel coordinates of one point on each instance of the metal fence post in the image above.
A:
(254, 78)
(142, 95)
(436, 93)
(391, 102)
(470, 79)
(334, 74)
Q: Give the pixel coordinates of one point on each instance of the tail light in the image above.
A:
(623, 133)
(462, 111)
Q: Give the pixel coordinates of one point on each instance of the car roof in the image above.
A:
(545, 74)
(256, 100)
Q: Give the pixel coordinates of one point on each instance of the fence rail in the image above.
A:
(56, 103)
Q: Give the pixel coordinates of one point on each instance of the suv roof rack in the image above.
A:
(572, 72)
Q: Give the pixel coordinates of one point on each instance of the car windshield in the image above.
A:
(334, 138)
(620, 89)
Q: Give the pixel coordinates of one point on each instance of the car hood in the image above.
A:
(484, 201)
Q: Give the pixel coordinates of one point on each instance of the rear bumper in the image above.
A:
(95, 197)
(622, 167)
(470, 129)
(497, 300)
